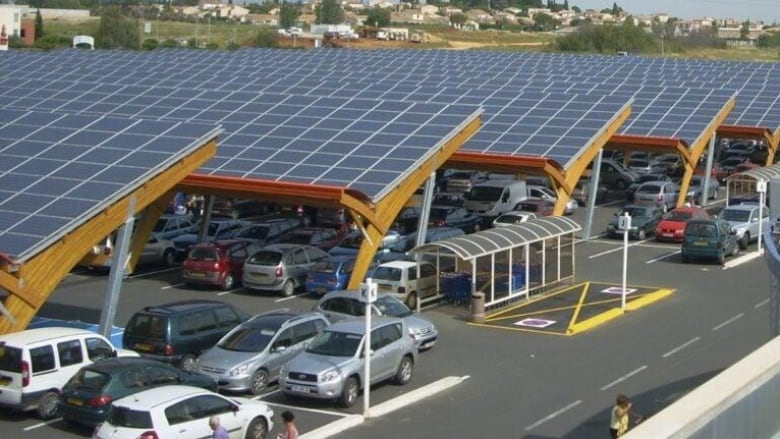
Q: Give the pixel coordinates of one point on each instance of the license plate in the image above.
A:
(75, 401)
(300, 389)
(260, 275)
(321, 290)
(385, 288)
(700, 243)
(668, 235)
(197, 274)
(5, 381)
(143, 347)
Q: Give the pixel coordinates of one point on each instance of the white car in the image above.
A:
(512, 218)
(184, 412)
(400, 279)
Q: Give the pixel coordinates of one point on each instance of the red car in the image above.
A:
(539, 206)
(219, 263)
(672, 225)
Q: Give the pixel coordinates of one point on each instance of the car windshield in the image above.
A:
(732, 162)
(735, 215)
(488, 193)
(265, 257)
(390, 306)
(387, 273)
(649, 177)
(461, 175)
(638, 163)
(335, 344)
(10, 359)
(119, 416)
(160, 225)
(352, 241)
(89, 379)
(254, 232)
(648, 189)
(298, 238)
(247, 339)
(677, 215)
(205, 254)
(633, 211)
(213, 229)
(438, 213)
(528, 207)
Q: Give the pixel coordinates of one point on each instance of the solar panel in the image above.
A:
(51, 184)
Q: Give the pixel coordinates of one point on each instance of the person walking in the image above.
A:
(618, 422)
(219, 431)
(291, 431)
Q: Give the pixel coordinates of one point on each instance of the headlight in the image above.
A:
(283, 371)
(240, 370)
(329, 376)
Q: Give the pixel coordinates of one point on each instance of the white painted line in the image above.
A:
(294, 296)
(168, 287)
(660, 258)
(416, 395)
(51, 421)
(304, 409)
(681, 347)
(553, 415)
(133, 276)
(617, 249)
(222, 293)
(731, 320)
(624, 377)
(747, 257)
(761, 303)
(334, 428)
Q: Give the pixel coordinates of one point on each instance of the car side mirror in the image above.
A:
(280, 349)
(234, 408)
(113, 354)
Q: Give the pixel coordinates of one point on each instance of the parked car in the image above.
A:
(184, 412)
(657, 193)
(87, 396)
(344, 304)
(745, 166)
(449, 216)
(330, 274)
(249, 357)
(462, 181)
(158, 251)
(644, 178)
(269, 231)
(644, 220)
(673, 164)
(351, 243)
(400, 278)
(513, 218)
(178, 332)
(221, 228)
(537, 206)
(548, 194)
(581, 191)
(711, 238)
(331, 368)
(696, 188)
(614, 174)
(36, 363)
(170, 226)
(281, 267)
(324, 238)
(717, 172)
(449, 199)
(744, 219)
(407, 219)
(219, 263)
(672, 225)
(729, 165)
(646, 166)
(331, 217)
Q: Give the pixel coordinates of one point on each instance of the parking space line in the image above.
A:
(681, 347)
(294, 296)
(761, 303)
(624, 377)
(731, 320)
(553, 415)
(133, 276)
(168, 287)
(222, 293)
(39, 425)
(660, 258)
(617, 249)
(741, 260)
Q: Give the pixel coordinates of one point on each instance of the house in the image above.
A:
(429, 9)
(263, 19)
(480, 16)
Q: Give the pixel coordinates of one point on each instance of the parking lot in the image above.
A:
(510, 383)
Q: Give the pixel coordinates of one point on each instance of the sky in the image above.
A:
(767, 11)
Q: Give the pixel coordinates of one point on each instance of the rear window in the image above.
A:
(265, 257)
(324, 267)
(299, 238)
(648, 189)
(203, 254)
(387, 273)
(10, 359)
(125, 417)
(148, 326)
(89, 379)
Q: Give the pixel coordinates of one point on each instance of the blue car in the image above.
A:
(330, 275)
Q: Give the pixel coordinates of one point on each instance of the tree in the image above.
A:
(266, 37)
(329, 12)
(38, 24)
(378, 17)
(744, 31)
(458, 19)
(615, 10)
(288, 15)
(545, 22)
(565, 5)
(118, 31)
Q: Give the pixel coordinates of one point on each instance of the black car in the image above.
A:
(178, 332)
(450, 216)
(87, 396)
(270, 231)
(644, 220)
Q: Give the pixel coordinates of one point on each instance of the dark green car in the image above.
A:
(644, 220)
(87, 396)
(709, 238)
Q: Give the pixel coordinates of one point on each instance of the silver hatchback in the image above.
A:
(331, 368)
(249, 357)
(281, 267)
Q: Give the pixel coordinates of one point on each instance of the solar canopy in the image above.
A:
(58, 171)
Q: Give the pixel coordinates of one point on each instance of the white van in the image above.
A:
(492, 198)
(36, 363)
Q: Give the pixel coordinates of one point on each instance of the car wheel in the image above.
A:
(411, 300)
(257, 429)
(49, 405)
(228, 282)
(721, 257)
(169, 258)
(641, 234)
(259, 382)
(288, 289)
(350, 394)
(404, 373)
(685, 258)
(188, 362)
(743, 243)
(735, 252)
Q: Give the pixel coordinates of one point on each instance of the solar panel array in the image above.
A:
(58, 170)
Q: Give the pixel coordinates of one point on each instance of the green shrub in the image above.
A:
(150, 44)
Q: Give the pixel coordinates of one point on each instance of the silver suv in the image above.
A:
(249, 357)
(332, 366)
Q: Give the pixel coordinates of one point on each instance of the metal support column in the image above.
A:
(707, 172)
(206, 219)
(593, 190)
(118, 263)
(422, 226)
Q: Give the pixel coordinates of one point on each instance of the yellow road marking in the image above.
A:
(576, 312)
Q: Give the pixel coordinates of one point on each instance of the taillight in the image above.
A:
(402, 290)
(168, 350)
(151, 434)
(279, 272)
(100, 400)
(216, 265)
(25, 374)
